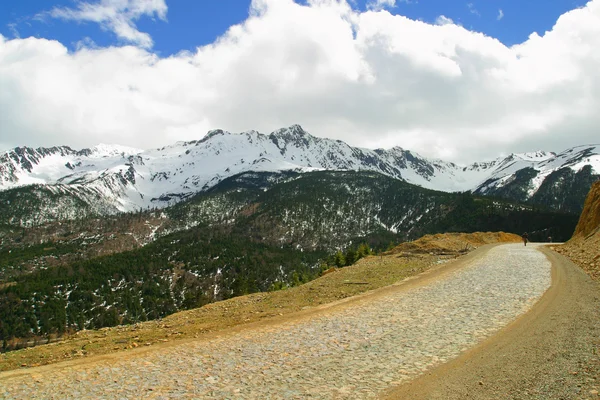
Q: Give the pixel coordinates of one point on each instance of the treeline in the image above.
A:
(468, 213)
(349, 257)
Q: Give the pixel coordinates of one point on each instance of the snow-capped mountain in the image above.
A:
(560, 181)
(131, 179)
(158, 177)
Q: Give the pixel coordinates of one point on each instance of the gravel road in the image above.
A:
(550, 353)
(354, 351)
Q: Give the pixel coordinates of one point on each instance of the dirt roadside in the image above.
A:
(552, 352)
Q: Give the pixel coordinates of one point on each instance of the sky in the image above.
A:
(458, 80)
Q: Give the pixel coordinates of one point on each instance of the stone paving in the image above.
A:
(353, 353)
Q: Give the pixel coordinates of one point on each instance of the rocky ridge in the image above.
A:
(108, 179)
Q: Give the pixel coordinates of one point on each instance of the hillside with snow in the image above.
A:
(127, 179)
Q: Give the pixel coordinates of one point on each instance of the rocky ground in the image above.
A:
(584, 250)
(553, 352)
(585, 253)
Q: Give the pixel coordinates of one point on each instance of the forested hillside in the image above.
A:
(180, 271)
(562, 190)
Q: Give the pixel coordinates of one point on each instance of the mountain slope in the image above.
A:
(332, 209)
(560, 181)
(312, 211)
(162, 176)
(110, 179)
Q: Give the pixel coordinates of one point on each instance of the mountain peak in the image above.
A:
(292, 131)
(131, 178)
(539, 155)
(111, 150)
(211, 134)
(397, 149)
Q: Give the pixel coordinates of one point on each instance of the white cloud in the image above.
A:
(380, 4)
(117, 16)
(500, 14)
(473, 10)
(372, 79)
(443, 20)
(12, 27)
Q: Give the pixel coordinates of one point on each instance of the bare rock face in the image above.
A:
(589, 222)
(584, 247)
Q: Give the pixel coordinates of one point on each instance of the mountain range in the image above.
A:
(109, 179)
(114, 235)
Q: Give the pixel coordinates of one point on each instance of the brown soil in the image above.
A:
(589, 222)
(585, 253)
(368, 274)
(584, 248)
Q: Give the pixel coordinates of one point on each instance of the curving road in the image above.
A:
(551, 352)
(373, 346)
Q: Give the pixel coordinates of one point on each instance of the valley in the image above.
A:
(253, 232)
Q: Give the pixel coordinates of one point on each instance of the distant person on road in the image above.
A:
(550, 239)
(525, 237)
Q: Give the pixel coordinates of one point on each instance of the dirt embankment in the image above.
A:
(453, 243)
(584, 247)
